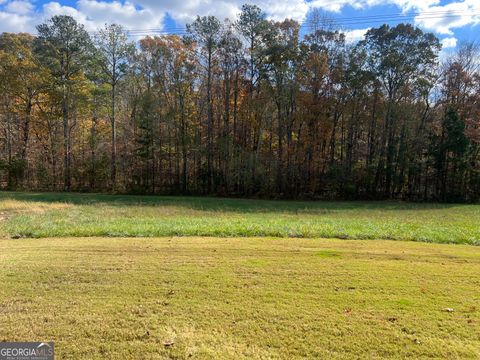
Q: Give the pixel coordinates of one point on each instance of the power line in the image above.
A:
(343, 21)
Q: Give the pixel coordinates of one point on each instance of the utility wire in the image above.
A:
(342, 21)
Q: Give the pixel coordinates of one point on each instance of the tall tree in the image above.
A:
(400, 57)
(281, 70)
(230, 55)
(254, 28)
(26, 81)
(115, 49)
(206, 32)
(63, 46)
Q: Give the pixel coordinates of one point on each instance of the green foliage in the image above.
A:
(146, 119)
(15, 169)
(455, 140)
(400, 54)
(450, 150)
(44, 178)
(64, 46)
(114, 50)
(205, 31)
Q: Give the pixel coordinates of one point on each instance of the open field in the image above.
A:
(233, 279)
(30, 215)
(104, 298)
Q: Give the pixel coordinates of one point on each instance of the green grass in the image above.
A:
(81, 215)
(233, 279)
(241, 298)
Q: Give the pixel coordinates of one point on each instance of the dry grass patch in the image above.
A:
(11, 207)
(241, 298)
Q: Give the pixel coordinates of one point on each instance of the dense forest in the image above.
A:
(245, 108)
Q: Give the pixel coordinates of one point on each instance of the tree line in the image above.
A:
(244, 108)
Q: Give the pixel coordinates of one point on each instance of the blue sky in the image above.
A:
(453, 21)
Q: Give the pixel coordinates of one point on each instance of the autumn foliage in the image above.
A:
(248, 108)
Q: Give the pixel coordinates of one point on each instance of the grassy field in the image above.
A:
(234, 298)
(132, 277)
(27, 215)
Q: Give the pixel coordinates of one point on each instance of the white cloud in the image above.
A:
(415, 5)
(55, 8)
(331, 5)
(15, 16)
(148, 14)
(352, 36)
(404, 5)
(442, 19)
(19, 7)
(95, 14)
(127, 14)
(449, 42)
(280, 10)
(21, 15)
(186, 10)
(15, 22)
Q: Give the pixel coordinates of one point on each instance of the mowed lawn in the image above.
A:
(241, 298)
(145, 277)
(30, 215)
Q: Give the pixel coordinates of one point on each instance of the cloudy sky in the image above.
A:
(452, 20)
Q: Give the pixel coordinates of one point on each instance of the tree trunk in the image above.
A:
(113, 174)
(66, 140)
